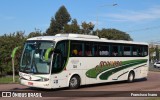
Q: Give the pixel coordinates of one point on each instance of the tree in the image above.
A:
(151, 51)
(53, 29)
(59, 24)
(72, 28)
(62, 17)
(37, 32)
(7, 44)
(87, 28)
(114, 34)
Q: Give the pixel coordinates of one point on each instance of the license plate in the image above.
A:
(30, 83)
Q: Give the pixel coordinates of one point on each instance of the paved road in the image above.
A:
(151, 84)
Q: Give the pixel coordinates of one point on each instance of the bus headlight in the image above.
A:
(44, 79)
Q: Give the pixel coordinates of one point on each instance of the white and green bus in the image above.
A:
(72, 60)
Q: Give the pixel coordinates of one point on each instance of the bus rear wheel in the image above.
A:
(131, 76)
(74, 82)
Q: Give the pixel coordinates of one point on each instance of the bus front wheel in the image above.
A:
(74, 82)
(131, 76)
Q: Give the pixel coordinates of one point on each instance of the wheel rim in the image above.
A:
(73, 82)
(131, 77)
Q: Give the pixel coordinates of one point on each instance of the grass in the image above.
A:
(8, 79)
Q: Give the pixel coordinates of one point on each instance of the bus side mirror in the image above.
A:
(48, 51)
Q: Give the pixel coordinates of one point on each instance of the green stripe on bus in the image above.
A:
(94, 72)
(106, 75)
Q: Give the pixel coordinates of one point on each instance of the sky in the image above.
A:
(139, 18)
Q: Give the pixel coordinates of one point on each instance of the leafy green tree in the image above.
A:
(151, 51)
(59, 24)
(53, 29)
(62, 17)
(114, 34)
(87, 28)
(37, 32)
(72, 28)
(7, 44)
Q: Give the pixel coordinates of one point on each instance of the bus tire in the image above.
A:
(74, 82)
(131, 77)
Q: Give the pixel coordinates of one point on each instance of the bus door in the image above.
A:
(59, 63)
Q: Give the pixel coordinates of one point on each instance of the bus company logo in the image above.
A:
(6, 94)
(103, 64)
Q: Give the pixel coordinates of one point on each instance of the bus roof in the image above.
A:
(81, 37)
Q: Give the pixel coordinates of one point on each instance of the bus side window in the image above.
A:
(95, 50)
(120, 50)
(140, 51)
(135, 51)
(76, 49)
(114, 50)
(88, 49)
(75, 52)
(104, 50)
(145, 50)
(127, 51)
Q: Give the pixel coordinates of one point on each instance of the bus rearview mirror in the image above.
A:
(47, 53)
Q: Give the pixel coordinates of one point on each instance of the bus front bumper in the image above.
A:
(37, 84)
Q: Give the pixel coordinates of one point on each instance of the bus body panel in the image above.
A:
(141, 70)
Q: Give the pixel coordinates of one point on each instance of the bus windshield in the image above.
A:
(32, 60)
